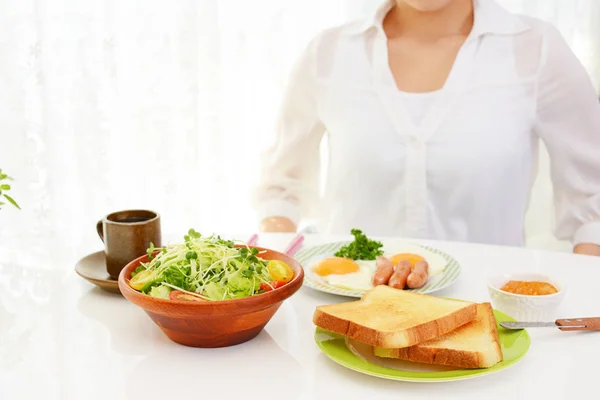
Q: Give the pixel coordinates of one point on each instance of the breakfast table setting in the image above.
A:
(88, 325)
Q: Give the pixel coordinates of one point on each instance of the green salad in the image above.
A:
(207, 268)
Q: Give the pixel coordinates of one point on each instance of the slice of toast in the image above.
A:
(474, 345)
(392, 318)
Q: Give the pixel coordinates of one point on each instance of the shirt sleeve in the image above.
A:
(289, 177)
(568, 122)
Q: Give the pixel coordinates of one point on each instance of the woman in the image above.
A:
(433, 111)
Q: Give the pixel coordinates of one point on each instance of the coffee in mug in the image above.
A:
(126, 236)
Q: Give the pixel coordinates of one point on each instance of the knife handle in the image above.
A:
(579, 324)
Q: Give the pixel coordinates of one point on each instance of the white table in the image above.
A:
(62, 338)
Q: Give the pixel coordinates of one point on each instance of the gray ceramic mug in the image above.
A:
(126, 236)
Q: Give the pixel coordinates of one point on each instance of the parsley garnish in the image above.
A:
(362, 248)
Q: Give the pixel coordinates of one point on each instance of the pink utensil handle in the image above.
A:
(294, 245)
(253, 240)
(579, 324)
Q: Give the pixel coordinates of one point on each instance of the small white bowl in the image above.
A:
(523, 307)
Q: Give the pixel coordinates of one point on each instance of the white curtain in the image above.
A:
(114, 104)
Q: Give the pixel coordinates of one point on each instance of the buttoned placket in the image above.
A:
(416, 136)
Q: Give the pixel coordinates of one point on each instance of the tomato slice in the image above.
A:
(264, 286)
(183, 296)
(267, 287)
(278, 284)
(142, 278)
(280, 271)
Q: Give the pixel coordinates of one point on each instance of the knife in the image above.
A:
(572, 324)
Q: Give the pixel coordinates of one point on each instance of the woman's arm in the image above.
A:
(290, 170)
(587, 249)
(277, 224)
(568, 121)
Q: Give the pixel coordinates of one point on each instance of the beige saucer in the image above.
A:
(93, 269)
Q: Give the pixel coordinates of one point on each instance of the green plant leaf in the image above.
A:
(11, 201)
(5, 187)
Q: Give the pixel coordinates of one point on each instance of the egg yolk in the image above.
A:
(411, 258)
(335, 266)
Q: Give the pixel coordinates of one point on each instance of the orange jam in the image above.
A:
(529, 288)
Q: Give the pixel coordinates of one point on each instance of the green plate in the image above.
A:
(514, 344)
(308, 256)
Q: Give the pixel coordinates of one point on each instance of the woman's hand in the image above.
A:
(587, 249)
(277, 224)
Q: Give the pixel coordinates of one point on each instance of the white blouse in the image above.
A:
(417, 104)
(464, 171)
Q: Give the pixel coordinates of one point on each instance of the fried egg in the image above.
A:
(346, 273)
(335, 266)
(411, 258)
(414, 253)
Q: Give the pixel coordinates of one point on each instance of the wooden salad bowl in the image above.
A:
(213, 324)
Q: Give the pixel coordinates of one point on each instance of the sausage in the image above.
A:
(385, 269)
(398, 279)
(419, 275)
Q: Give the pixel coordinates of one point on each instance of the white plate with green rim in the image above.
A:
(447, 269)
